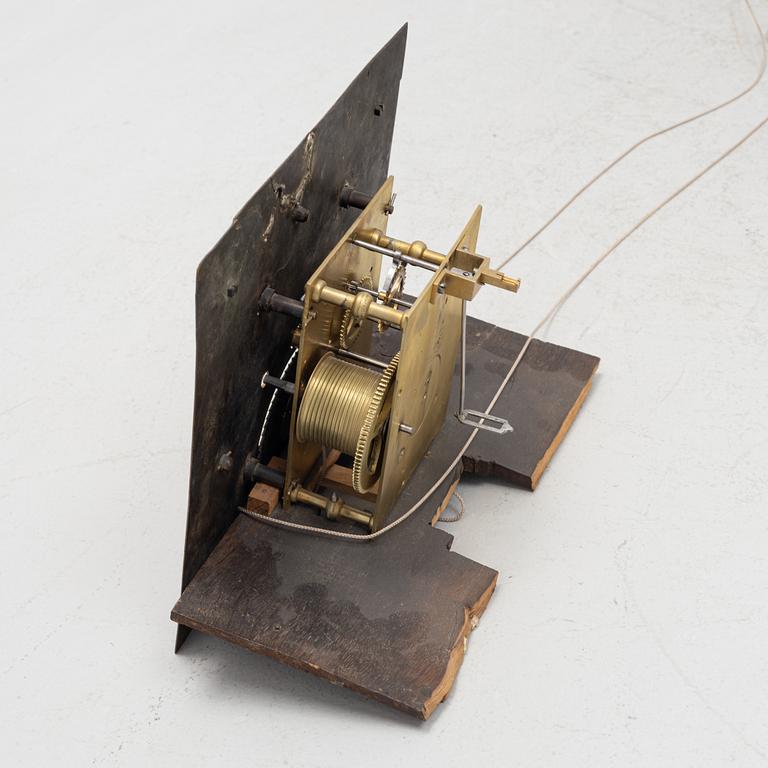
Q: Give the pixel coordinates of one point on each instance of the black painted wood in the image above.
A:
(268, 244)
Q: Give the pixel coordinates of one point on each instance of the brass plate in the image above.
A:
(321, 322)
(428, 350)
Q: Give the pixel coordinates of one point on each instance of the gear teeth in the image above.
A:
(363, 447)
(344, 339)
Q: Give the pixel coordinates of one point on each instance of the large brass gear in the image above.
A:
(368, 453)
(346, 407)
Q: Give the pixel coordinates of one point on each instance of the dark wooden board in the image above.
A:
(267, 246)
(390, 618)
(541, 402)
(547, 391)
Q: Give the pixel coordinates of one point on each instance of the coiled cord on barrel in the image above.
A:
(335, 403)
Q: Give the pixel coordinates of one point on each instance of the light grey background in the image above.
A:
(630, 622)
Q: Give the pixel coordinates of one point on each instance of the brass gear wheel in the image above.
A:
(354, 317)
(347, 407)
(368, 453)
(394, 283)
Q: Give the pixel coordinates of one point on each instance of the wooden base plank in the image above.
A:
(390, 630)
(390, 618)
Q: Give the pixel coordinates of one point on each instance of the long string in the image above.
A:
(550, 313)
(571, 200)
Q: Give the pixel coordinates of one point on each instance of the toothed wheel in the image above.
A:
(354, 317)
(394, 283)
(347, 407)
(350, 328)
(368, 453)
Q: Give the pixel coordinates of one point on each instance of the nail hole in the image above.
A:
(378, 110)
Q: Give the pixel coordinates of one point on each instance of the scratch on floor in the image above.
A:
(689, 684)
(16, 407)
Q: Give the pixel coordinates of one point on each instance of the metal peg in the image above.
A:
(270, 300)
(353, 198)
(278, 383)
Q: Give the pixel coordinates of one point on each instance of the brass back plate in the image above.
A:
(321, 321)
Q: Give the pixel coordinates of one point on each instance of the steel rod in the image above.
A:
(395, 255)
(354, 355)
(277, 382)
(376, 294)
(270, 300)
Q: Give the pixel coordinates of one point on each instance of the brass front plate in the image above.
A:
(428, 350)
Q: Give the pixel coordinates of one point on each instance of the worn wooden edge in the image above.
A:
(446, 501)
(455, 659)
(472, 615)
(561, 433)
(292, 661)
(471, 618)
(492, 470)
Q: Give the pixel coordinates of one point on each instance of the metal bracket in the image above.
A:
(476, 419)
(471, 418)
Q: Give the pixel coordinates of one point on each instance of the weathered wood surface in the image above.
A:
(389, 618)
(268, 245)
(263, 499)
(544, 397)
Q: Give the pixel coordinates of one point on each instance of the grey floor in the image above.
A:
(629, 627)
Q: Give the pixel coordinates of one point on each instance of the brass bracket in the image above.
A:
(333, 507)
(466, 272)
